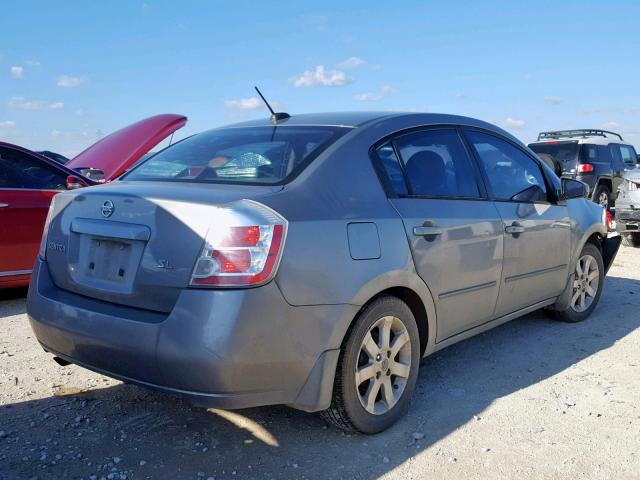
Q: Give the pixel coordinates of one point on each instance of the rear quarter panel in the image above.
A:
(341, 188)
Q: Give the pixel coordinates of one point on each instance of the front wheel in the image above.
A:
(602, 196)
(587, 285)
(377, 368)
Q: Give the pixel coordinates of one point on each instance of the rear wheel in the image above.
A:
(377, 369)
(631, 239)
(602, 196)
(587, 285)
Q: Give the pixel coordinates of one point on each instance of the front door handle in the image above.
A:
(514, 229)
(3, 205)
(423, 231)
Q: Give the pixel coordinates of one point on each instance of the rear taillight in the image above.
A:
(45, 232)
(242, 248)
(585, 168)
(607, 219)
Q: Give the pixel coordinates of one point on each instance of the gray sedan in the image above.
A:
(312, 261)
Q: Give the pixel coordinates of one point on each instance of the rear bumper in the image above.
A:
(217, 348)
(627, 219)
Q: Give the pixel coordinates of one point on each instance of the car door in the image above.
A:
(27, 185)
(536, 230)
(454, 232)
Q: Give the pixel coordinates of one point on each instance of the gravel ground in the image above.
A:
(531, 399)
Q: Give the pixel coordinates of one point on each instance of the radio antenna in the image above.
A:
(275, 116)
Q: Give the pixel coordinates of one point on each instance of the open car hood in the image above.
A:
(116, 152)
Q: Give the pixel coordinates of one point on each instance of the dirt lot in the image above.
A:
(531, 399)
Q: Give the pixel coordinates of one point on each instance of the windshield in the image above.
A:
(256, 155)
(563, 152)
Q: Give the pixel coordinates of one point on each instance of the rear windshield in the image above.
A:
(563, 152)
(255, 155)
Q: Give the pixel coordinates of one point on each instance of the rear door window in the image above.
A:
(628, 154)
(589, 153)
(19, 170)
(513, 175)
(391, 165)
(436, 164)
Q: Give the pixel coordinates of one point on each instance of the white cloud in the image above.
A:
(611, 126)
(17, 72)
(513, 123)
(69, 81)
(321, 77)
(461, 96)
(56, 133)
(251, 103)
(368, 97)
(32, 63)
(384, 91)
(80, 112)
(553, 100)
(8, 124)
(352, 62)
(21, 103)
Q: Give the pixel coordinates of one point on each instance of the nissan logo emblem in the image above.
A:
(107, 209)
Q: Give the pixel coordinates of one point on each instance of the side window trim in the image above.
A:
(491, 196)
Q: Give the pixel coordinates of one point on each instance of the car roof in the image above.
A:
(340, 119)
(359, 119)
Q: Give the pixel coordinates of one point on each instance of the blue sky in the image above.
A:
(72, 72)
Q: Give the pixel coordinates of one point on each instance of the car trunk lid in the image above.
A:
(135, 243)
(115, 153)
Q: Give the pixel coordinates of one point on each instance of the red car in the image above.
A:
(28, 182)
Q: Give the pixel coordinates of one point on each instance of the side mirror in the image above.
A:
(74, 182)
(573, 189)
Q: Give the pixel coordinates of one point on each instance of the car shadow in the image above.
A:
(13, 301)
(156, 436)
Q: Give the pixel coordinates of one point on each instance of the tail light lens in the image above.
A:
(607, 219)
(242, 248)
(585, 168)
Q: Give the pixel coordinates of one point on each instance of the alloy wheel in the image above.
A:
(384, 363)
(603, 200)
(585, 284)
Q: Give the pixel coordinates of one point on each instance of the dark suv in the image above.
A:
(598, 158)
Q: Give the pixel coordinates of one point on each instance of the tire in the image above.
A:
(631, 239)
(348, 410)
(599, 194)
(582, 301)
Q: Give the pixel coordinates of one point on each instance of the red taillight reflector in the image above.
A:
(233, 261)
(608, 220)
(585, 168)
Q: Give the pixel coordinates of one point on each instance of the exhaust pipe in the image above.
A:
(61, 362)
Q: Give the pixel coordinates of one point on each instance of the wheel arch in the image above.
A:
(411, 289)
(603, 181)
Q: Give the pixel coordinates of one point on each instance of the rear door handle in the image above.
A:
(514, 228)
(3, 205)
(423, 231)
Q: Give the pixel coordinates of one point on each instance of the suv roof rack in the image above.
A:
(581, 132)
